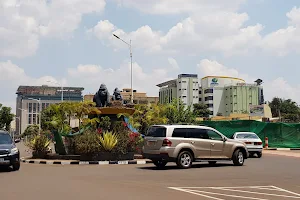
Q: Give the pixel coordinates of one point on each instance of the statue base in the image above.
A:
(113, 112)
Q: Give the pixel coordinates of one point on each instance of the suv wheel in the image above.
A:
(238, 158)
(184, 160)
(159, 163)
(16, 166)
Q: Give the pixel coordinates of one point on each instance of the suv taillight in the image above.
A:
(166, 143)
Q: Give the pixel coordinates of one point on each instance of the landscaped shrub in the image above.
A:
(87, 143)
(39, 144)
(108, 141)
(123, 138)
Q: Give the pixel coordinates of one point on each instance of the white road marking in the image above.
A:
(227, 195)
(283, 190)
(192, 190)
(242, 191)
(182, 190)
(270, 186)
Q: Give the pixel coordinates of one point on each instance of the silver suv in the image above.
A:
(185, 144)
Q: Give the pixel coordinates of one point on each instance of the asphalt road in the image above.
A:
(270, 175)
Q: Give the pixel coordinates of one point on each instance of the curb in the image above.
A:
(120, 162)
(283, 149)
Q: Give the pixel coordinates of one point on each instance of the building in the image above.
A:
(222, 95)
(185, 87)
(33, 99)
(225, 95)
(138, 97)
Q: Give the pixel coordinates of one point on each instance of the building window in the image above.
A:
(209, 98)
(208, 91)
(30, 107)
(183, 96)
(183, 81)
(200, 99)
(34, 118)
(200, 92)
(211, 112)
(29, 119)
(210, 105)
(34, 108)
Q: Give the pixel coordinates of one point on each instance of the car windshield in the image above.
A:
(247, 136)
(5, 139)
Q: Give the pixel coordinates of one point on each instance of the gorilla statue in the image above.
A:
(117, 95)
(101, 98)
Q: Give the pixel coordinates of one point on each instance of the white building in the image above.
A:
(185, 87)
(222, 95)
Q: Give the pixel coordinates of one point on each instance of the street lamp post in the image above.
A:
(40, 112)
(130, 49)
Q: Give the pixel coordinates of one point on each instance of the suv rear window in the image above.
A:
(156, 131)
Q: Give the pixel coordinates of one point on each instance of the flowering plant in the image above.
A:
(135, 141)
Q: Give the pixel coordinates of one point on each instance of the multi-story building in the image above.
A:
(138, 97)
(33, 99)
(222, 95)
(185, 88)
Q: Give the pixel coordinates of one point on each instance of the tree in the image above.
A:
(31, 130)
(177, 113)
(146, 115)
(83, 109)
(6, 117)
(288, 110)
(201, 110)
(58, 116)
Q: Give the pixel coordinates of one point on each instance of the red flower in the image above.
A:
(124, 124)
(99, 130)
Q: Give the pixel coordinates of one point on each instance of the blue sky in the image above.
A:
(71, 42)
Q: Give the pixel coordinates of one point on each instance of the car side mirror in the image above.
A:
(224, 139)
(17, 141)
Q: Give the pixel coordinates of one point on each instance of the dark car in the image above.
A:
(9, 153)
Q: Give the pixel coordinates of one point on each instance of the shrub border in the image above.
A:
(67, 162)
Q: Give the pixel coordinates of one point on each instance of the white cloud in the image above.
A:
(173, 63)
(285, 40)
(294, 16)
(143, 38)
(213, 68)
(166, 7)
(11, 76)
(201, 32)
(24, 22)
(120, 77)
(278, 87)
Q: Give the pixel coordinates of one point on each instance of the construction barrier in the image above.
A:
(280, 135)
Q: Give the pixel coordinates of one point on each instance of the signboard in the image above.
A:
(257, 110)
(214, 82)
